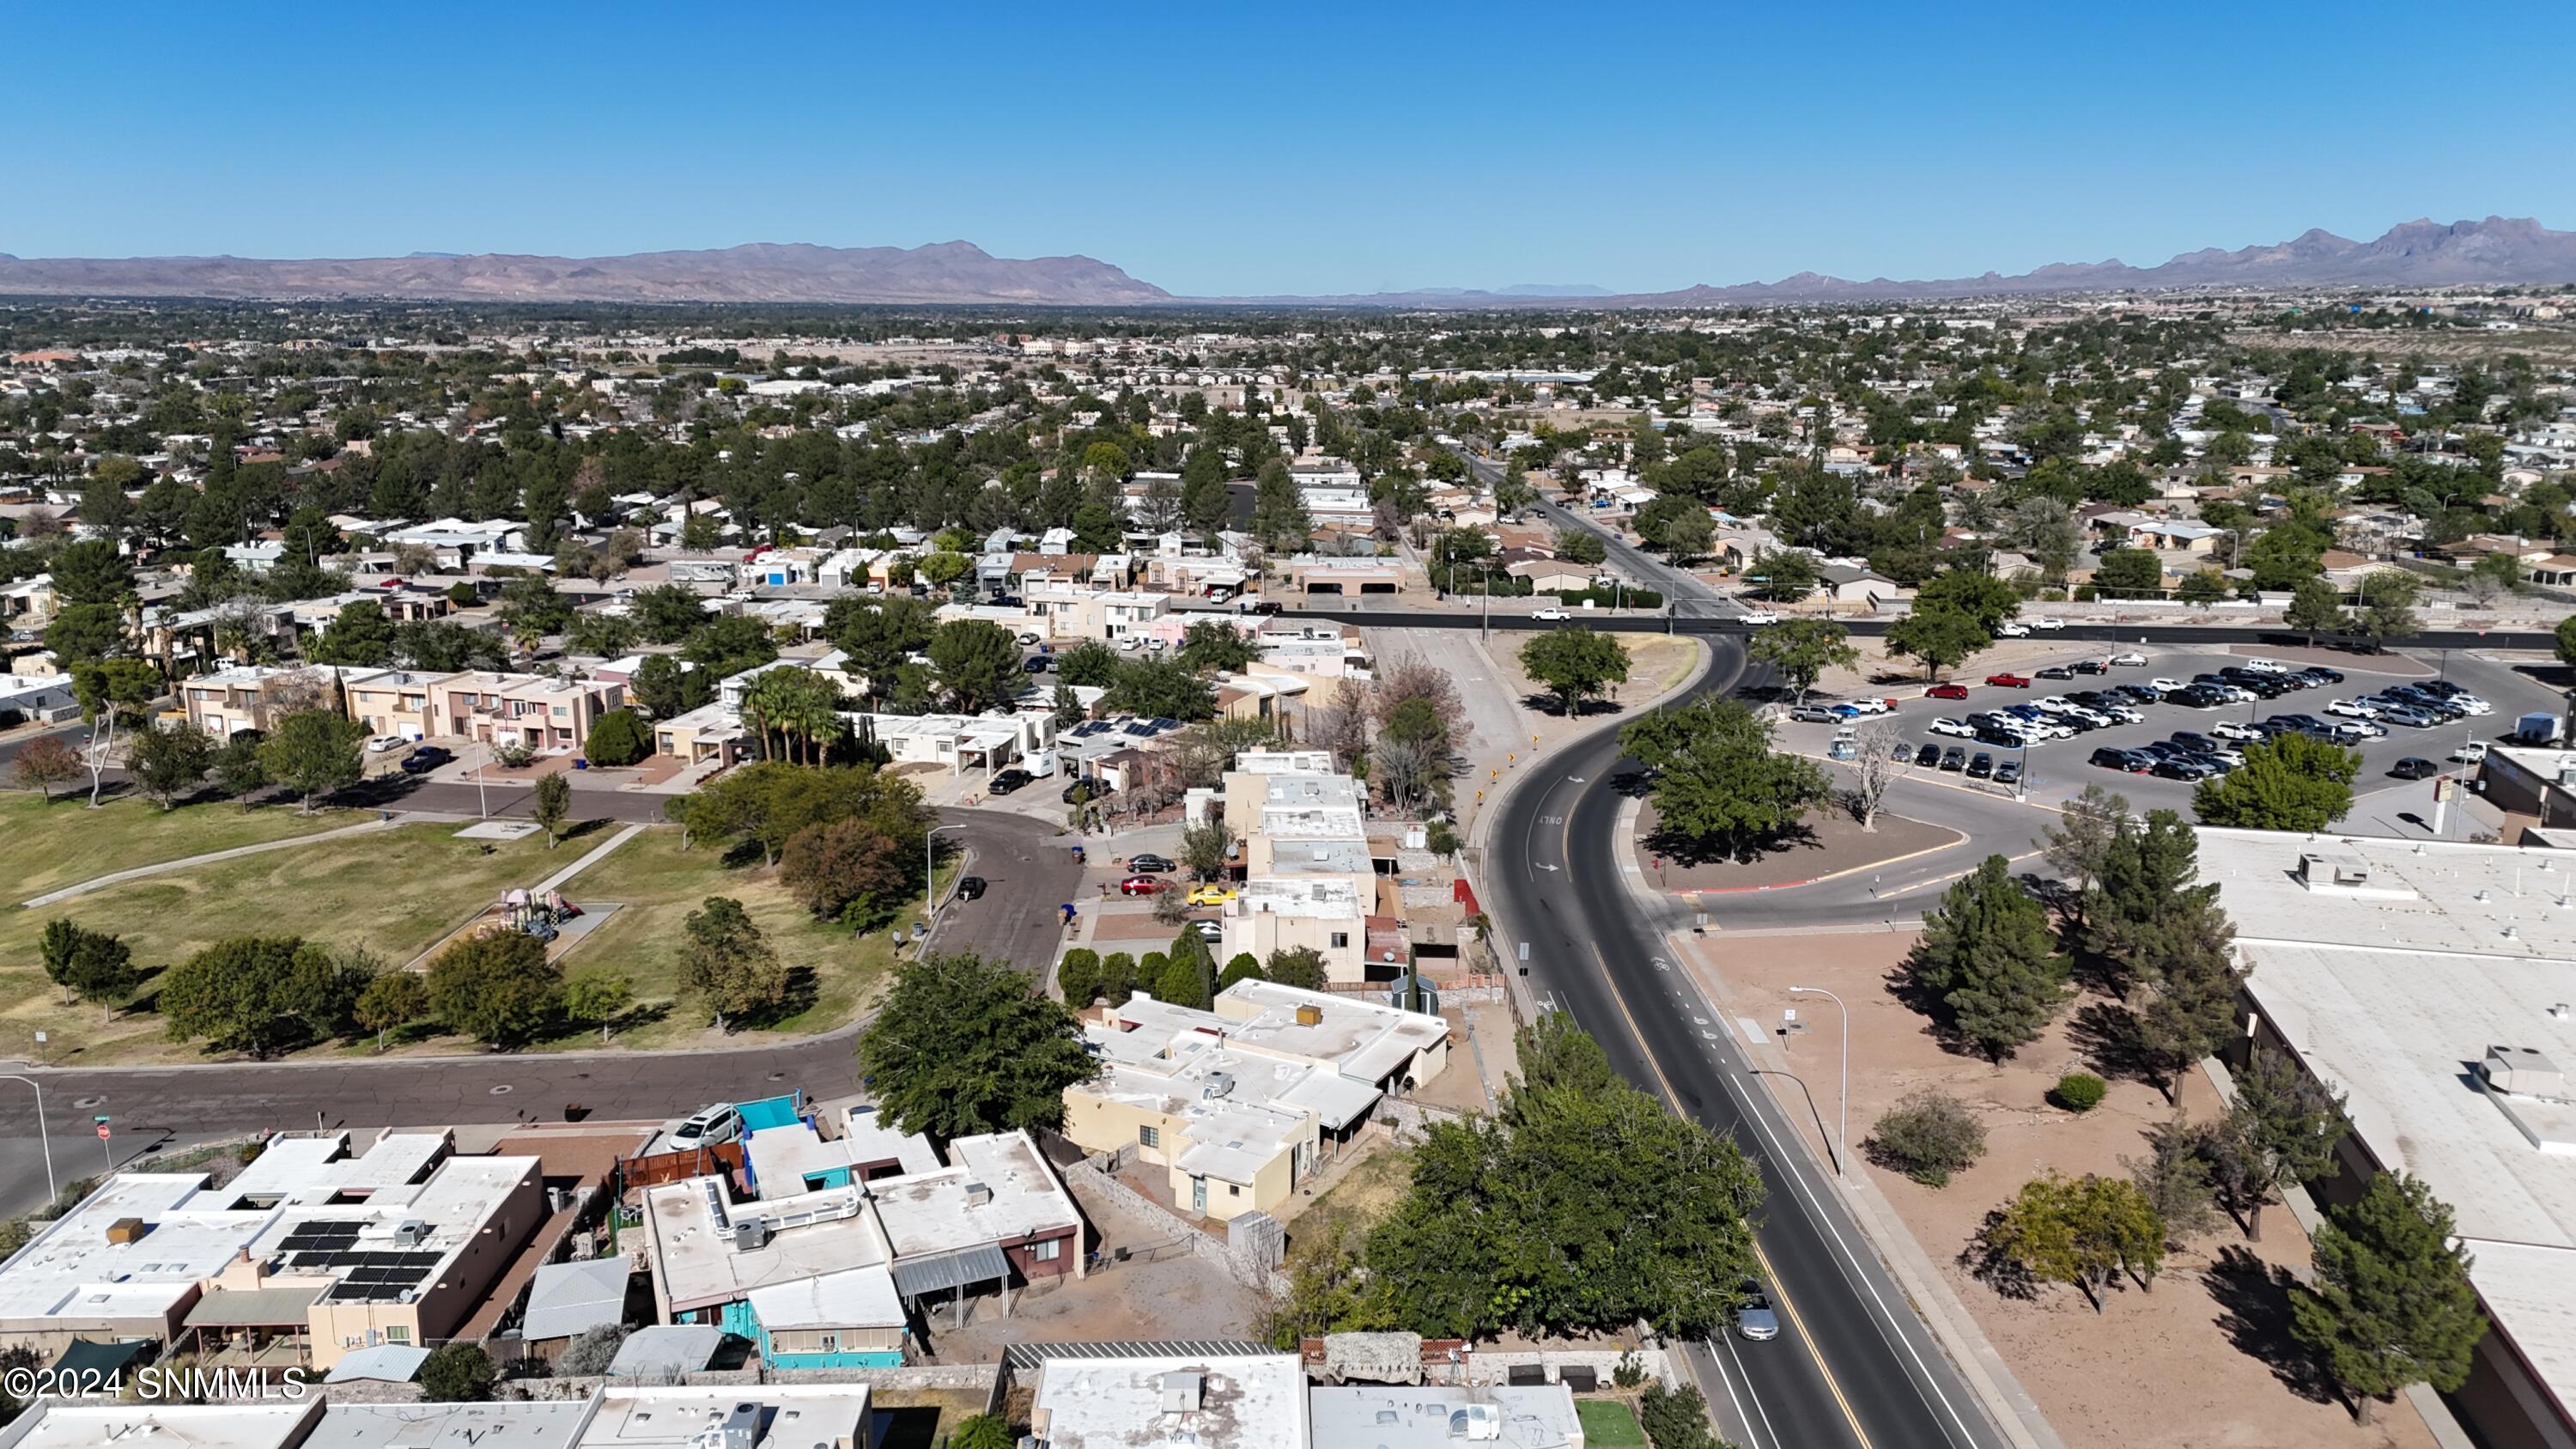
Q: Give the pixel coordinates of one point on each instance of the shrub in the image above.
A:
(591, 1350)
(984, 1431)
(2078, 1092)
(1441, 838)
(1676, 1420)
(1928, 1136)
(456, 1373)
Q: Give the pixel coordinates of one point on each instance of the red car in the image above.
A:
(1139, 885)
(1946, 691)
(2009, 681)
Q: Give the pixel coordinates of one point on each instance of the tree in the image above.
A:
(1244, 967)
(1799, 651)
(1688, 535)
(2291, 782)
(2078, 843)
(2281, 1129)
(1874, 769)
(1090, 664)
(1985, 599)
(2174, 1176)
(2387, 608)
(93, 965)
(2129, 573)
(238, 769)
(849, 871)
(2191, 1012)
(1188, 977)
(2079, 1231)
(1719, 786)
(2146, 875)
(1676, 1418)
(456, 1373)
(1987, 958)
(359, 634)
(1301, 966)
(168, 762)
(111, 692)
(1524, 1221)
(729, 963)
(1928, 1135)
(1582, 546)
(1575, 664)
(599, 996)
(963, 1046)
(260, 994)
(1216, 647)
(977, 663)
(393, 999)
(550, 804)
(618, 738)
(44, 762)
(2315, 607)
(1159, 689)
(1279, 517)
(983, 1431)
(1781, 577)
(669, 688)
(2202, 586)
(2491, 578)
(1936, 634)
(314, 752)
(2392, 1304)
(2563, 639)
(1205, 847)
(497, 988)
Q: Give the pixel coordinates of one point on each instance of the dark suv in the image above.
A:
(1009, 780)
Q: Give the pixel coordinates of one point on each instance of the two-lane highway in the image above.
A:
(1854, 1365)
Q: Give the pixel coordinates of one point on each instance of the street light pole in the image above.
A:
(44, 1135)
(1842, 1133)
(930, 868)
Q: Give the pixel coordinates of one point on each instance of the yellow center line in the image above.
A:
(1619, 999)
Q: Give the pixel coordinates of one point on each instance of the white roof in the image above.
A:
(1539, 1416)
(860, 1298)
(1246, 1401)
(535, 1424)
(928, 1212)
(50, 1425)
(873, 1139)
(789, 1416)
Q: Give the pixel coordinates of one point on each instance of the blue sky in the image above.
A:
(1222, 150)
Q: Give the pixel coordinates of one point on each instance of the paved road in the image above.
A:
(1689, 595)
(181, 1104)
(1854, 1366)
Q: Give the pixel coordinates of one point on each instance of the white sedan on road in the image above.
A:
(2131, 660)
(1759, 617)
(2050, 624)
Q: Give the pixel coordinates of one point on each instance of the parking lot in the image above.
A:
(2056, 769)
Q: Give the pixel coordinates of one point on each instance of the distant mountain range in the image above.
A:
(2415, 254)
(946, 272)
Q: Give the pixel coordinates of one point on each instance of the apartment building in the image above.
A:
(528, 710)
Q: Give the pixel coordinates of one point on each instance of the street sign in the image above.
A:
(102, 1132)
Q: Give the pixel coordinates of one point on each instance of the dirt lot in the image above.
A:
(1834, 844)
(2204, 1360)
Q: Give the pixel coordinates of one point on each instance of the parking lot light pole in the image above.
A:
(1842, 1132)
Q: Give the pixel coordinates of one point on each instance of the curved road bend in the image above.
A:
(1854, 1365)
(1027, 872)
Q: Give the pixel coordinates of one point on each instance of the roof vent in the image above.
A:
(1476, 1423)
(1220, 1084)
(977, 1194)
(2562, 1011)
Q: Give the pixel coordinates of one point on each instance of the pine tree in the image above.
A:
(2282, 1129)
(2392, 1305)
(2146, 871)
(2186, 955)
(1986, 956)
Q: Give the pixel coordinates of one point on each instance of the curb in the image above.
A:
(1958, 838)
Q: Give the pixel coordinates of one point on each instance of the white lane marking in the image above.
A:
(1749, 1391)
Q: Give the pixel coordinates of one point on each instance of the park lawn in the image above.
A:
(1608, 1424)
(655, 886)
(395, 892)
(46, 845)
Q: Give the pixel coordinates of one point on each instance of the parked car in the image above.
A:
(1010, 780)
(1036, 664)
(381, 744)
(1844, 747)
(1211, 894)
(2330, 676)
(2008, 773)
(2354, 709)
(2129, 659)
(1954, 758)
(2414, 768)
(2181, 767)
(1950, 727)
(1927, 757)
(2267, 666)
(1089, 787)
(1150, 864)
(2231, 729)
(1982, 767)
(970, 888)
(1210, 931)
(2354, 731)
(1028, 638)
(1139, 885)
(2411, 716)
(2054, 671)
(1900, 752)
(708, 1127)
(1814, 714)
(1946, 691)
(2129, 760)
(2009, 681)
(425, 759)
(2165, 686)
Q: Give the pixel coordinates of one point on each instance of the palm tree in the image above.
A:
(816, 713)
(764, 704)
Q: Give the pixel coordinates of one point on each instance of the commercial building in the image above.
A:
(1389, 1416)
(617, 1416)
(2435, 985)
(1213, 1401)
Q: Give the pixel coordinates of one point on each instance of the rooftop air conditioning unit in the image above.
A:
(1476, 1423)
(411, 1233)
(1310, 1015)
(1181, 1390)
(1220, 1084)
(2522, 1071)
(750, 1233)
(978, 1194)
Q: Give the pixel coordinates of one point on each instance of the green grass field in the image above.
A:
(396, 892)
(48, 845)
(1608, 1424)
(656, 885)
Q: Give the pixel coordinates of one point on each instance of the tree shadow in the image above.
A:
(2108, 1036)
(2253, 1299)
(1683, 849)
(1996, 1269)
(1633, 784)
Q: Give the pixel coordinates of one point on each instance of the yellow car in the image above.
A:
(1210, 895)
